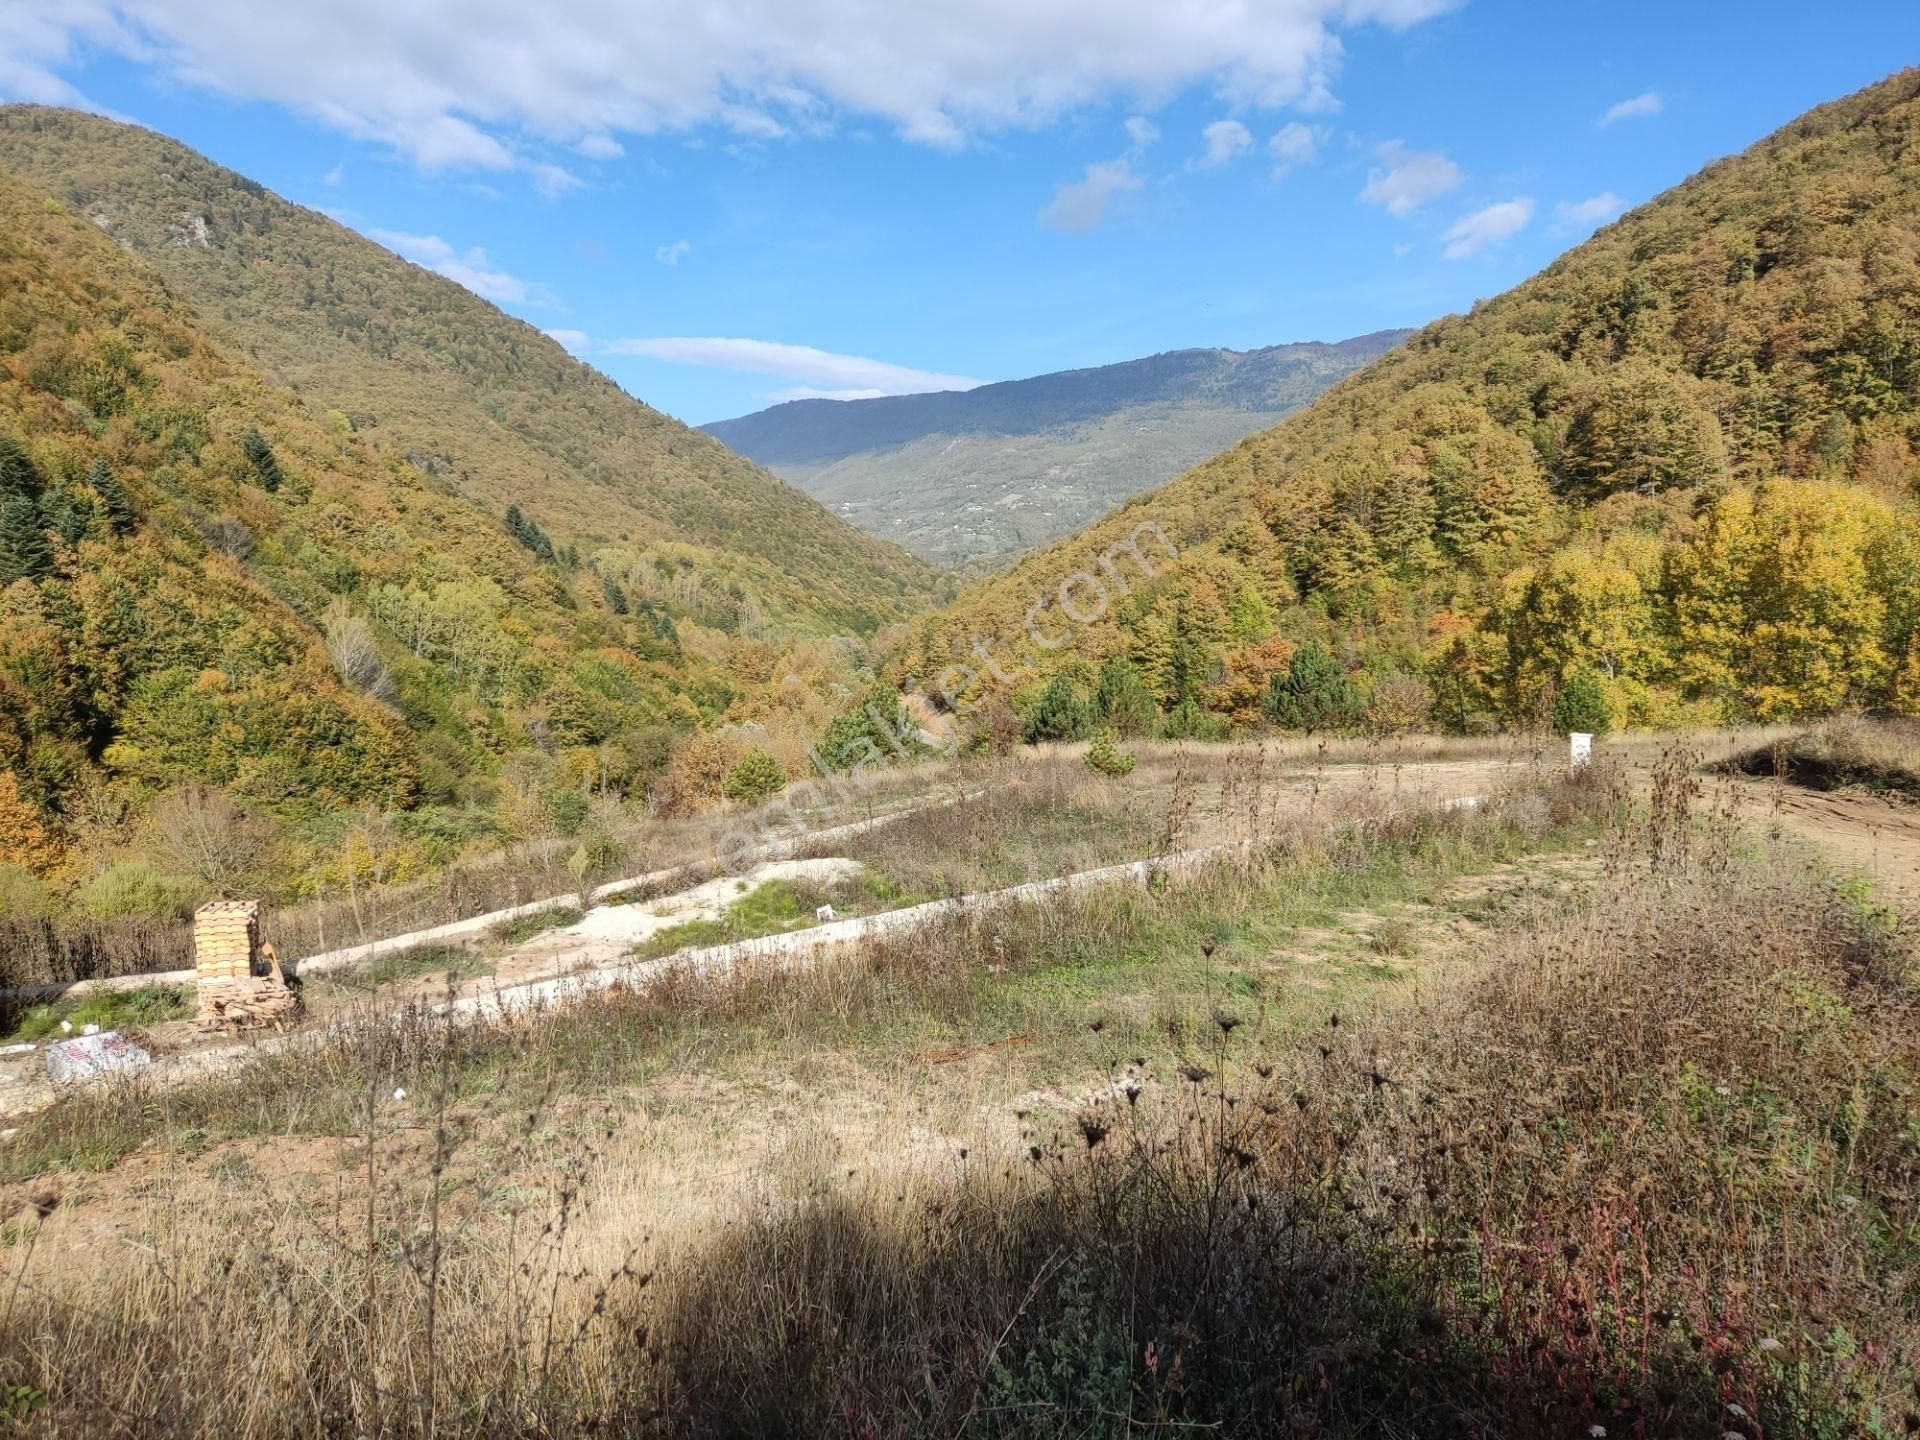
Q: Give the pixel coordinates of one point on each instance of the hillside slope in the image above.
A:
(241, 645)
(959, 475)
(1678, 467)
(429, 371)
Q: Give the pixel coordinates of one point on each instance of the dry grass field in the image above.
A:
(1587, 1107)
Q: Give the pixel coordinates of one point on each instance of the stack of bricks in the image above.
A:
(226, 938)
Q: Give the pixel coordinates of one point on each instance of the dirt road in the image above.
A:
(1878, 838)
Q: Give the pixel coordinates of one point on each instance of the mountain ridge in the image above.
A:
(426, 368)
(805, 428)
(963, 477)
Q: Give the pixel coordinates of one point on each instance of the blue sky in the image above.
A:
(753, 199)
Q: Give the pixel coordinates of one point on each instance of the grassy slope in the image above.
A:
(961, 498)
(1537, 1203)
(1760, 320)
(427, 370)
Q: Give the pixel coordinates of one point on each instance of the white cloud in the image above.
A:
(1410, 178)
(552, 181)
(1295, 144)
(37, 42)
(1470, 234)
(821, 368)
(480, 83)
(1142, 131)
(1582, 214)
(1640, 107)
(335, 175)
(600, 147)
(573, 340)
(464, 267)
(1079, 205)
(1223, 139)
(671, 254)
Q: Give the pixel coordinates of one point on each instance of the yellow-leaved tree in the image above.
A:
(25, 838)
(1776, 610)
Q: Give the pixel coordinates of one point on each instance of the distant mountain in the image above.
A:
(483, 402)
(963, 474)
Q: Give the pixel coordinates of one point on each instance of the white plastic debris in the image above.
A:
(90, 1029)
(825, 912)
(66, 1027)
(400, 1094)
(87, 1056)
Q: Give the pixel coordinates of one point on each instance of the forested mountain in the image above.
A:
(1677, 469)
(430, 372)
(960, 475)
(234, 630)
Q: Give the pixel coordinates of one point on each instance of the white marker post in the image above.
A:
(1580, 749)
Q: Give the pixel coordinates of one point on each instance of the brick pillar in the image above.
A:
(226, 939)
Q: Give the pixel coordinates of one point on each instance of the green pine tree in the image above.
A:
(1059, 714)
(113, 498)
(66, 515)
(876, 731)
(266, 466)
(1314, 694)
(1124, 701)
(616, 597)
(18, 474)
(24, 551)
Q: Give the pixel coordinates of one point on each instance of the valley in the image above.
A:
(978, 475)
(1332, 889)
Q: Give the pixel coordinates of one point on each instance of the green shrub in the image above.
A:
(877, 731)
(1106, 758)
(22, 894)
(757, 776)
(1314, 694)
(1582, 706)
(133, 889)
(1187, 721)
(568, 809)
(1060, 713)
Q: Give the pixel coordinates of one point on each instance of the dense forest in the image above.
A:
(298, 593)
(426, 369)
(240, 644)
(1670, 479)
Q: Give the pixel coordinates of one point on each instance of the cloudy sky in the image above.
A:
(739, 201)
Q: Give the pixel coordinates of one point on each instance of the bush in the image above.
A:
(755, 778)
(1187, 721)
(568, 809)
(1106, 758)
(1314, 694)
(1581, 706)
(1399, 704)
(1058, 714)
(996, 730)
(133, 889)
(591, 862)
(22, 895)
(877, 731)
